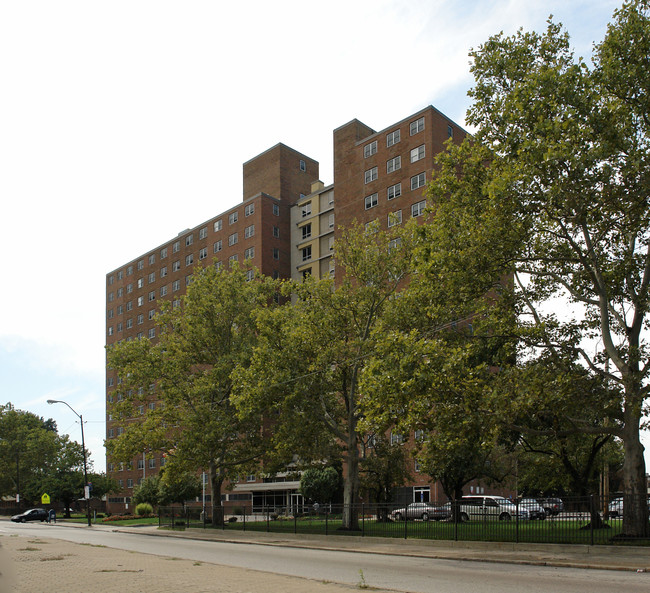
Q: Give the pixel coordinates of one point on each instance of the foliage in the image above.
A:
(144, 509)
(178, 486)
(147, 492)
(552, 193)
(189, 372)
(306, 366)
(320, 484)
(35, 459)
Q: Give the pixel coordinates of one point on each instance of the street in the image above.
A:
(392, 572)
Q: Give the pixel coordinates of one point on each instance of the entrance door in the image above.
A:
(297, 503)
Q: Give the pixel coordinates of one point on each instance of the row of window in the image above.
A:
(392, 165)
(395, 191)
(394, 137)
(233, 217)
(151, 464)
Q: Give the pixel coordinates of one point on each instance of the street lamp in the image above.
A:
(83, 446)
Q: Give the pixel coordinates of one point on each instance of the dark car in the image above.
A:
(31, 515)
(552, 506)
(535, 510)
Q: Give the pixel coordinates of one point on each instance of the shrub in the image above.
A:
(143, 509)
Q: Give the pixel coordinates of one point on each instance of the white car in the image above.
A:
(489, 508)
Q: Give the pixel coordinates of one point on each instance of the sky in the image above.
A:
(123, 123)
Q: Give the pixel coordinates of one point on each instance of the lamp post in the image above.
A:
(83, 446)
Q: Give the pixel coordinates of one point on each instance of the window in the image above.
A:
(417, 153)
(189, 240)
(110, 330)
(418, 181)
(140, 318)
(152, 296)
(129, 323)
(218, 265)
(330, 243)
(276, 253)
(110, 297)
(218, 246)
(152, 333)
(129, 483)
(152, 463)
(176, 266)
(305, 273)
(163, 271)
(152, 259)
(203, 233)
(417, 126)
(394, 191)
(394, 218)
(306, 231)
(330, 221)
(140, 282)
(303, 165)
(111, 279)
(203, 253)
(129, 305)
(233, 217)
(417, 209)
(250, 275)
(176, 285)
(396, 438)
(189, 259)
(140, 301)
(249, 253)
(152, 277)
(276, 232)
(276, 210)
(305, 209)
(233, 258)
(394, 164)
(120, 309)
(188, 279)
(249, 231)
(141, 264)
(370, 149)
(176, 246)
(129, 270)
(392, 138)
(232, 240)
(163, 291)
(370, 175)
(218, 225)
(306, 253)
(249, 210)
(450, 132)
(371, 201)
(163, 253)
(119, 327)
(129, 288)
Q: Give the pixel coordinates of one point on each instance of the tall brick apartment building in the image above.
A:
(285, 226)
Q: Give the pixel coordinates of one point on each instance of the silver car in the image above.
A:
(489, 508)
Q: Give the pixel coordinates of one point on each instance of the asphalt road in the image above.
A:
(399, 573)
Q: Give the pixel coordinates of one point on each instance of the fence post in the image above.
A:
(173, 519)
(455, 513)
(363, 520)
(406, 521)
(517, 521)
(327, 514)
(268, 519)
(591, 517)
(244, 514)
(295, 523)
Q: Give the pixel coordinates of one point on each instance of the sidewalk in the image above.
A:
(629, 558)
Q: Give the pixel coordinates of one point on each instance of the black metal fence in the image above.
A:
(588, 520)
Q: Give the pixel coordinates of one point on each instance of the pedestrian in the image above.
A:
(52, 516)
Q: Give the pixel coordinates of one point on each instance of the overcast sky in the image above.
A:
(125, 122)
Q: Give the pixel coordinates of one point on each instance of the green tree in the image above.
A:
(305, 371)
(320, 484)
(189, 372)
(383, 469)
(148, 491)
(178, 486)
(552, 192)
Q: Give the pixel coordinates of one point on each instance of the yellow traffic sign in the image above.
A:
(45, 499)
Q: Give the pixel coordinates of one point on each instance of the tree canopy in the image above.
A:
(547, 206)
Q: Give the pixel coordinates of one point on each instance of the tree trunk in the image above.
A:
(350, 517)
(216, 509)
(635, 505)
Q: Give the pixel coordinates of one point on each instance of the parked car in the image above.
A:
(31, 515)
(552, 506)
(422, 510)
(615, 508)
(535, 510)
(486, 508)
